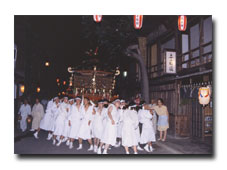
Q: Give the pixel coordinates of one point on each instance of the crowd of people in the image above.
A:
(102, 124)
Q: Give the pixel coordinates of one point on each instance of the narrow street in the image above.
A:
(26, 144)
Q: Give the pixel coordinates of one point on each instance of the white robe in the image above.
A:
(55, 110)
(37, 114)
(105, 117)
(66, 130)
(97, 125)
(60, 120)
(148, 134)
(75, 118)
(110, 132)
(47, 120)
(120, 123)
(85, 129)
(24, 111)
(129, 128)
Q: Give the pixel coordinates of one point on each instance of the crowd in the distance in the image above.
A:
(102, 124)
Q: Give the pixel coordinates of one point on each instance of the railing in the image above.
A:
(195, 57)
(187, 60)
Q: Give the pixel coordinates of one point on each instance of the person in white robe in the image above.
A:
(67, 125)
(24, 111)
(75, 118)
(105, 107)
(105, 118)
(47, 123)
(37, 114)
(120, 123)
(129, 129)
(60, 121)
(85, 128)
(55, 110)
(98, 123)
(109, 135)
(148, 134)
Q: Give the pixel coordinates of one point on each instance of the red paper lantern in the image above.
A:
(138, 21)
(182, 23)
(97, 18)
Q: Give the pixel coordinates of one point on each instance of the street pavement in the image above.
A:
(25, 143)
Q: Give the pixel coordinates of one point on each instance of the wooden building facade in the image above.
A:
(194, 60)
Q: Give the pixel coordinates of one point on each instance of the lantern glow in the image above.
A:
(138, 21)
(29, 120)
(182, 23)
(125, 73)
(22, 88)
(97, 18)
(47, 64)
(38, 89)
(204, 95)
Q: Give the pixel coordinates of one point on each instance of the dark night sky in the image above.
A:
(61, 40)
(60, 37)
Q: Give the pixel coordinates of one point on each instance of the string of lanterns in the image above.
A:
(22, 89)
(138, 21)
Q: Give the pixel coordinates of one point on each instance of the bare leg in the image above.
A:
(54, 139)
(90, 141)
(91, 146)
(126, 150)
(95, 141)
(135, 149)
(165, 133)
(160, 135)
(80, 144)
(150, 146)
(101, 144)
(106, 146)
(80, 141)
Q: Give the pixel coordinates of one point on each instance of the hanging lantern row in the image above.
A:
(182, 23)
(138, 21)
